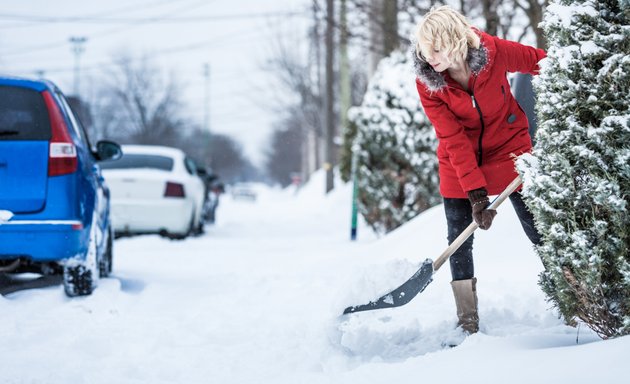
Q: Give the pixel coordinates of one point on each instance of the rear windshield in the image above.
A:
(23, 114)
(139, 161)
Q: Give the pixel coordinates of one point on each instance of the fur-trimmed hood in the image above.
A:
(477, 59)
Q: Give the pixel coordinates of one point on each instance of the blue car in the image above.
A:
(54, 204)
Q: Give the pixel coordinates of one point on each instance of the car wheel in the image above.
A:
(192, 228)
(200, 229)
(80, 274)
(181, 236)
(105, 264)
(77, 280)
(198, 226)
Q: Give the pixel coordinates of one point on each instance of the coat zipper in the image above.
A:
(483, 125)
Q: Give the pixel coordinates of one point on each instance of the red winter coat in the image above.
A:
(480, 131)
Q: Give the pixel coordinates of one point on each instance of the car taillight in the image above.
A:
(174, 190)
(62, 154)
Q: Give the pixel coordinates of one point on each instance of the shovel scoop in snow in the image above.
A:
(403, 294)
(424, 275)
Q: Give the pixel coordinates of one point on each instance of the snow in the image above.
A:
(5, 215)
(566, 15)
(258, 298)
(590, 48)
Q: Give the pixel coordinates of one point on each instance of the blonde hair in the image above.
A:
(444, 29)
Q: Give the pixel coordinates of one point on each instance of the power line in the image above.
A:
(156, 19)
(224, 39)
(49, 46)
(215, 41)
(103, 13)
(132, 8)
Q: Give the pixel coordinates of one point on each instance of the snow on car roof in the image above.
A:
(153, 149)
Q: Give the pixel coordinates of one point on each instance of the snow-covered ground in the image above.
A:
(258, 300)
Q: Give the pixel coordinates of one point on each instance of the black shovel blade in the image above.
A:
(403, 294)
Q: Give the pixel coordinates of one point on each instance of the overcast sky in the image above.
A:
(234, 37)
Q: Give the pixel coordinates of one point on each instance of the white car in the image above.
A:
(155, 189)
(243, 191)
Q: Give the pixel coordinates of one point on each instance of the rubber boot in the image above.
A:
(465, 292)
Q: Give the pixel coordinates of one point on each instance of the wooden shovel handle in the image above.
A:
(473, 226)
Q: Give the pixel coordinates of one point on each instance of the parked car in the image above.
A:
(53, 198)
(243, 191)
(155, 189)
(212, 202)
(214, 190)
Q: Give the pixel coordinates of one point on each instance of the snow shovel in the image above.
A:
(419, 281)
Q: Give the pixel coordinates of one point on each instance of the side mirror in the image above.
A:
(108, 150)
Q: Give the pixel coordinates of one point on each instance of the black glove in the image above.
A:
(479, 201)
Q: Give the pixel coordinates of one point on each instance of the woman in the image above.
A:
(462, 83)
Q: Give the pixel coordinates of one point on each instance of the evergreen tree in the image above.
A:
(577, 183)
(397, 164)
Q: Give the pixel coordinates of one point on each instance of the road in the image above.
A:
(248, 301)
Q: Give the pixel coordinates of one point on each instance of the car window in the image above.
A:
(190, 166)
(76, 124)
(132, 160)
(23, 115)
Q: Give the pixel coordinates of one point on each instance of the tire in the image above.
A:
(80, 274)
(78, 281)
(200, 229)
(190, 230)
(191, 226)
(106, 262)
(198, 226)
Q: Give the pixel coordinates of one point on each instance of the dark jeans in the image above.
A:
(459, 216)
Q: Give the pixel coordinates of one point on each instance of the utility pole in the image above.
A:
(78, 49)
(330, 118)
(206, 99)
(374, 37)
(344, 68)
(206, 115)
(311, 147)
(391, 40)
(319, 129)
